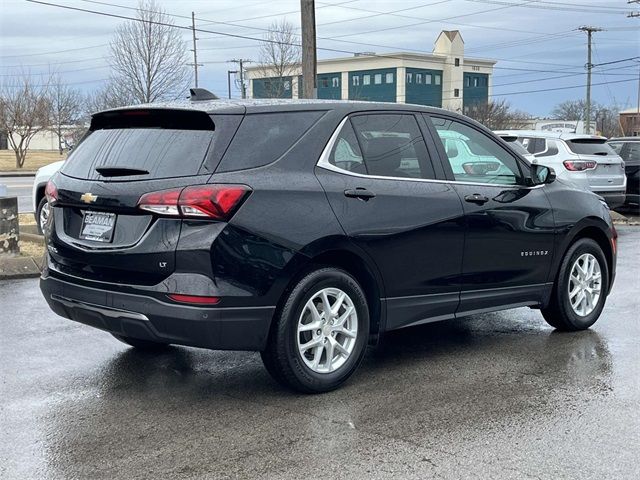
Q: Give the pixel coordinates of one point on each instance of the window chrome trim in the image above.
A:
(323, 162)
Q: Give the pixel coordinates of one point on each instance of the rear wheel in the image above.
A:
(140, 344)
(580, 290)
(320, 334)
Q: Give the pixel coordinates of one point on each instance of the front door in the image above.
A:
(509, 225)
(381, 184)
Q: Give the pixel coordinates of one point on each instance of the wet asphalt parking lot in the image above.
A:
(491, 396)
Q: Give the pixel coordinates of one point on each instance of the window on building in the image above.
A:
(457, 62)
(474, 156)
(324, 82)
(377, 78)
(476, 82)
(335, 82)
(456, 92)
(409, 77)
(355, 80)
(287, 85)
(418, 78)
(366, 79)
(467, 82)
(427, 79)
(389, 78)
(437, 80)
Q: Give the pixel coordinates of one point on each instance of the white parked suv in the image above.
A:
(40, 207)
(586, 160)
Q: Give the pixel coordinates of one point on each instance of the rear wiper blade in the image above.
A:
(120, 171)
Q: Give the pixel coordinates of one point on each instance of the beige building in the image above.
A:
(630, 122)
(444, 78)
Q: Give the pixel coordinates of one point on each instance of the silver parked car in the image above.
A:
(586, 160)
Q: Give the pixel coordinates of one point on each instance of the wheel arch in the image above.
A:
(345, 256)
(595, 229)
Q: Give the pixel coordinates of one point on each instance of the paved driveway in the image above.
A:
(492, 396)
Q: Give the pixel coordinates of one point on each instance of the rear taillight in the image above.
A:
(579, 165)
(51, 192)
(217, 202)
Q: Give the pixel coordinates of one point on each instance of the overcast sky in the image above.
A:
(534, 41)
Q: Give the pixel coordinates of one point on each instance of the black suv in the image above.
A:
(305, 230)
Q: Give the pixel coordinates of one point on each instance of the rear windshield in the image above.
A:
(264, 137)
(590, 146)
(161, 152)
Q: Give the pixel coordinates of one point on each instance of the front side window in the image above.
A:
(474, 156)
(392, 146)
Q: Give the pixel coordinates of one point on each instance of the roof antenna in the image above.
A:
(201, 94)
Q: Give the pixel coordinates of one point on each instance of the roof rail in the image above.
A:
(200, 94)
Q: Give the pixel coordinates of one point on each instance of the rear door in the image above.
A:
(509, 226)
(385, 192)
(98, 233)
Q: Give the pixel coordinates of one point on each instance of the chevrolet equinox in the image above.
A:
(305, 230)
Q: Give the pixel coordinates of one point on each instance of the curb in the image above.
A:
(32, 237)
(18, 173)
(13, 268)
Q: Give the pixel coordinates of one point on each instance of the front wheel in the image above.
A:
(320, 334)
(580, 290)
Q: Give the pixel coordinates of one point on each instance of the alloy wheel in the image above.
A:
(585, 284)
(327, 330)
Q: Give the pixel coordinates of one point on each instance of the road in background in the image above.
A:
(20, 187)
(498, 395)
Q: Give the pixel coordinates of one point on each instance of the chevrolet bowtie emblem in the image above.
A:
(88, 197)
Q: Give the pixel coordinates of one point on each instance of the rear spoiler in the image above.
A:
(152, 118)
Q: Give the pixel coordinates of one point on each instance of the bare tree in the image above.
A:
(149, 57)
(280, 57)
(24, 111)
(605, 117)
(497, 115)
(572, 110)
(66, 108)
(107, 97)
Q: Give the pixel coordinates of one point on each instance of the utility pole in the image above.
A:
(590, 31)
(240, 72)
(195, 47)
(309, 67)
(229, 72)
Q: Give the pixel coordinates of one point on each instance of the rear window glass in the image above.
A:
(264, 137)
(590, 146)
(162, 152)
(629, 151)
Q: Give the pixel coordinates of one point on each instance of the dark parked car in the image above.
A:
(305, 230)
(629, 149)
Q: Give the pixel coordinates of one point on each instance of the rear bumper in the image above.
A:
(613, 199)
(144, 317)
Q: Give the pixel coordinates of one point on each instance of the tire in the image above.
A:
(560, 313)
(300, 371)
(140, 344)
(42, 209)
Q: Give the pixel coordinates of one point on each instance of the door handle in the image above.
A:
(476, 198)
(361, 193)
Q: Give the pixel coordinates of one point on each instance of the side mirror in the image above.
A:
(541, 174)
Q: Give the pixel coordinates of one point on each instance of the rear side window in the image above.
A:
(162, 152)
(264, 137)
(590, 146)
(629, 151)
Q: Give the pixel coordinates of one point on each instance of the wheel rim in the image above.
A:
(44, 215)
(327, 330)
(585, 284)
